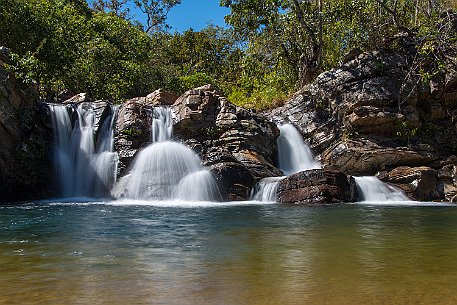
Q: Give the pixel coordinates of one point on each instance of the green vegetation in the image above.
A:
(272, 48)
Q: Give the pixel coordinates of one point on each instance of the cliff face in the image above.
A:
(25, 170)
(379, 114)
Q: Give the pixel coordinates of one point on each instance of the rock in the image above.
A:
(318, 186)
(78, 98)
(366, 157)
(235, 181)
(202, 114)
(133, 130)
(160, 97)
(25, 168)
(351, 55)
(446, 186)
(418, 183)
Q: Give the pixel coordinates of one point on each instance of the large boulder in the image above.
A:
(203, 115)
(235, 181)
(418, 183)
(317, 186)
(364, 156)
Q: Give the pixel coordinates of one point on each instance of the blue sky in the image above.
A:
(195, 14)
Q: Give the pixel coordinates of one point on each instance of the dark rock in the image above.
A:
(235, 181)
(25, 169)
(446, 186)
(418, 183)
(318, 186)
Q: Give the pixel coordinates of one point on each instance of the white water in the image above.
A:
(162, 124)
(293, 154)
(86, 166)
(166, 169)
(371, 189)
(266, 189)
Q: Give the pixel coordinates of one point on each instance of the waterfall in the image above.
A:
(162, 124)
(86, 165)
(166, 169)
(266, 189)
(293, 154)
(371, 189)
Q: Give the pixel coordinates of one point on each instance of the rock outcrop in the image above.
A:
(237, 145)
(25, 140)
(317, 186)
(374, 113)
(206, 117)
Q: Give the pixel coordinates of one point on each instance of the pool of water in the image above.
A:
(180, 253)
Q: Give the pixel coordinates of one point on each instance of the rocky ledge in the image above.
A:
(376, 115)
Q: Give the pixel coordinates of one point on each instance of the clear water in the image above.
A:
(133, 252)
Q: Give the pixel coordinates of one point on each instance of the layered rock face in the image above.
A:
(375, 113)
(238, 145)
(203, 115)
(25, 140)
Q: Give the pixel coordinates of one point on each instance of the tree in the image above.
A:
(156, 11)
(296, 26)
(115, 6)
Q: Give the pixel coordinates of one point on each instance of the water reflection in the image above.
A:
(264, 254)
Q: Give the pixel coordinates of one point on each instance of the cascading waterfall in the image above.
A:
(266, 189)
(293, 154)
(371, 189)
(166, 169)
(86, 166)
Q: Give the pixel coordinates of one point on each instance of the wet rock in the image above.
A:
(318, 186)
(235, 181)
(418, 183)
(132, 131)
